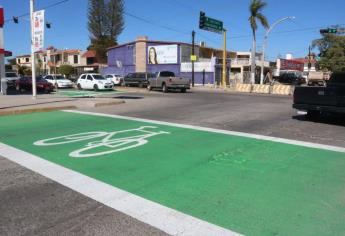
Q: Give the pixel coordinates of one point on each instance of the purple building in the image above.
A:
(145, 55)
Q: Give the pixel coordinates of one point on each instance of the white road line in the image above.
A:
(156, 215)
(241, 134)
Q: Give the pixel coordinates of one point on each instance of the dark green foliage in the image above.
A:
(105, 24)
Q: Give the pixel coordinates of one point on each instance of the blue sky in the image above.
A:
(69, 23)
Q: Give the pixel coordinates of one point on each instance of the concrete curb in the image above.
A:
(33, 110)
(102, 104)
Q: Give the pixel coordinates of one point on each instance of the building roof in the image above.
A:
(89, 53)
(27, 55)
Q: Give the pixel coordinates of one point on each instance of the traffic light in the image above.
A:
(48, 25)
(329, 31)
(15, 19)
(202, 20)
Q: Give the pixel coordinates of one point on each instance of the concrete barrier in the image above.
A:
(258, 88)
(244, 88)
(282, 89)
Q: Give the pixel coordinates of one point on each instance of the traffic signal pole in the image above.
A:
(224, 60)
(34, 90)
(193, 49)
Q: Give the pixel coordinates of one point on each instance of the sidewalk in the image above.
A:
(18, 104)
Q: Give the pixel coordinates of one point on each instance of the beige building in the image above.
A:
(48, 61)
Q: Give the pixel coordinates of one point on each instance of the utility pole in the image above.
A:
(193, 45)
(309, 59)
(224, 60)
(34, 91)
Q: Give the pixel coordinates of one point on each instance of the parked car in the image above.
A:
(137, 79)
(116, 79)
(291, 78)
(42, 85)
(166, 80)
(93, 81)
(11, 78)
(59, 81)
(317, 99)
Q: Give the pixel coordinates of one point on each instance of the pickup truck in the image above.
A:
(166, 80)
(320, 99)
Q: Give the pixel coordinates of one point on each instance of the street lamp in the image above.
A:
(265, 44)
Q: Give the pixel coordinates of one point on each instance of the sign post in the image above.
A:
(2, 53)
(213, 25)
(37, 40)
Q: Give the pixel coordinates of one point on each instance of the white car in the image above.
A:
(116, 79)
(11, 78)
(93, 81)
(58, 81)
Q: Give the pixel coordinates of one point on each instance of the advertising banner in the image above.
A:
(291, 65)
(38, 30)
(162, 54)
(198, 67)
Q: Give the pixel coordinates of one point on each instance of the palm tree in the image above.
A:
(255, 8)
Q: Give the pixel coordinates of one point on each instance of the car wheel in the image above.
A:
(79, 86)
(164, 88)
(183, 90)
(95, 87)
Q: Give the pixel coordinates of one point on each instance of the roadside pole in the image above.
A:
(224, 60)
(193, 45)
(34, 91)
(2, 52)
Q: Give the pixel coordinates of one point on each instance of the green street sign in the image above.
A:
(210, 24)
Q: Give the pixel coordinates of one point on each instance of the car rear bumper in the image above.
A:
(308, 107)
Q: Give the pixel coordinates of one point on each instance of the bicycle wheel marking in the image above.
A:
(108, 144)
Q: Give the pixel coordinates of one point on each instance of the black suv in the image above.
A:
(291, 78)
(139, 79)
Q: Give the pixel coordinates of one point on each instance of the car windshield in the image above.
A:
(167, 74)
(98, 77)
(59, 77)
(11, 74)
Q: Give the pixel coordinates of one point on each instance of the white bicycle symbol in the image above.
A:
(107, 145)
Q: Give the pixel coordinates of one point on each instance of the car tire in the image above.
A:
(79, 87)
(183, 90)
(164, 88)
(95, 87)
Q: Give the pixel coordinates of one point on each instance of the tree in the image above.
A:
(66, 70)
(332, 52)
(255, 8)
(105, 23)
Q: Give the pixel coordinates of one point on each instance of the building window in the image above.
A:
(75, 59)
(18, 61)
(26, 59)
(44, 59)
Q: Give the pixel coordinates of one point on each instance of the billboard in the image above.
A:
(286, 64)
(38, 32)
(162, 54)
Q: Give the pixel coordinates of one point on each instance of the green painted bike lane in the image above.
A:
(85, 93)
(250, 186)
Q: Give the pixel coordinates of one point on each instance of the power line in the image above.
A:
(154, 23)
(44, 8)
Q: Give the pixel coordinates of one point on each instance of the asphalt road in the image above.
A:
(34, 205)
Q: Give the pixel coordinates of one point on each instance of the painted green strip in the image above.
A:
(85, 93)
(250, 186)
